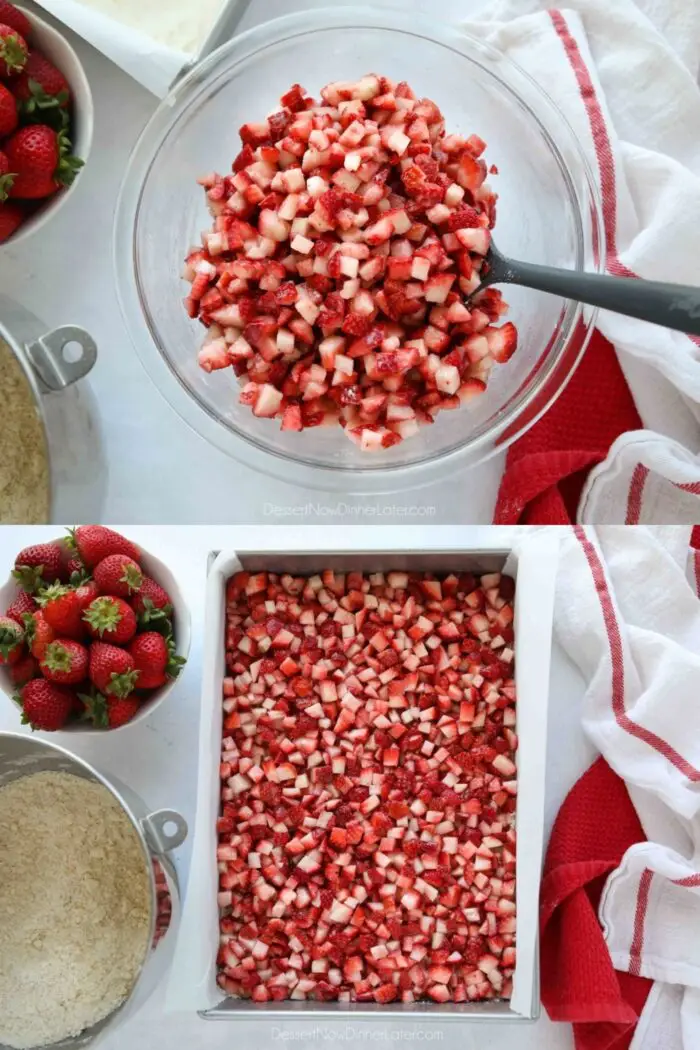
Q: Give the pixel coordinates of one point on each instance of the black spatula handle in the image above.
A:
(674, 306)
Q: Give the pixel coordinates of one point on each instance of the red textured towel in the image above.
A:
(546, 469)
(596, 825)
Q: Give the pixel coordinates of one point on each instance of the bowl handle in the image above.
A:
(158, 838)
(47, 357)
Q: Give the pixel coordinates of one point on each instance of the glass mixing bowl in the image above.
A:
(549, 212)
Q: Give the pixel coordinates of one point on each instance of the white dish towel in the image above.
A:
(625, 75)
(628, 614)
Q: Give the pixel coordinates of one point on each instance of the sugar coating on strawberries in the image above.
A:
(366, 838)
(343, 248)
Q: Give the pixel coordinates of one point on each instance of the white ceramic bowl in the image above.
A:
(154, 568)
(57, 49)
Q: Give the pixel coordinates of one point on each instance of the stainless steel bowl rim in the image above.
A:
(45, 368)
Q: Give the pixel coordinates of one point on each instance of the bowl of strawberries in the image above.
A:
(93, 634)
(46, 120)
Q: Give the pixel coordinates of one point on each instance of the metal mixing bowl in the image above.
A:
(158, 833)
(66, 411)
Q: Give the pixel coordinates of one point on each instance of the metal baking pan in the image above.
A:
(533, 564)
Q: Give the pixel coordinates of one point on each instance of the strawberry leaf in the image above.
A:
(29, 627)
(6, 183)
(95, 708)
(9, 639)
(42, 108)
(51, 594)
(79, 576)
(68, 166)
(13, 53)
(121, 685)
(175, 662)
(29, 577)
(156, 619)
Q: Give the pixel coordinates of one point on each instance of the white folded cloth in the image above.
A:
(628, 614)
(625, 76)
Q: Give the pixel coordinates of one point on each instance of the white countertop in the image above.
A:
(157, 759)
(157, 468)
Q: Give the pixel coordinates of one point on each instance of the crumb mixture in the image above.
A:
(24, 467)
(74, 907)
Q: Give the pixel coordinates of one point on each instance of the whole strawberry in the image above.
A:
(40, 86)
(118, 574)
(96, 542)
(23, 603)
(121, 710)
(110, 712)
(38, 566)
(152, 602)
(86, 593)
(62, 610)
(8, 113)
(16, 19)
(111, 620)
(11, 218)
(24, 670)
(11, 640)
(13, 51)
(39, 633)
(65, 662)
(75, 567)
(41, 160)
(155, 659)
(45, 705)
(112, 670)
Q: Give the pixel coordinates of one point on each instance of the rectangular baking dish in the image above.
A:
(533, 564)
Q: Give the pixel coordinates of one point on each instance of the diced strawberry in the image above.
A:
(354, 217)
(502, 342)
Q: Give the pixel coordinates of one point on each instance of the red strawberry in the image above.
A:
(13, 51)
(75, 565)
(39, 633)
(121, 710)
(11, 218)
(112, 670)
(150, 653)
(11, 640)
(65, 662)
(40, 564)
(76, 570)
(40, 85)
(152, 679)
(503, 342)
(86, 593)
(110, 619)
(41, 159)
(118, 574)
(62, 610)
(23, 603)
(24, 670)
(95, 542)
(155, 659)
(152, 602)
(464, 218)
(45, 705)
(11, 16)
(8, 114)
(110, 712)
